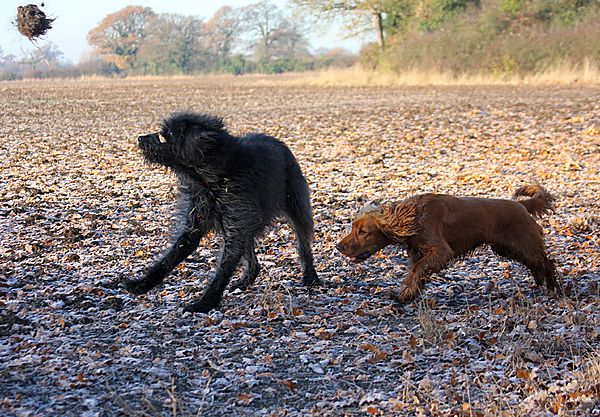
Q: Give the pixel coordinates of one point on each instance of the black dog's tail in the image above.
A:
(540, 202)
(298, 197)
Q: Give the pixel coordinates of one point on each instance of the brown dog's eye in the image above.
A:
(362, 231)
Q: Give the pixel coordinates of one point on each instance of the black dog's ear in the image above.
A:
(182, 124)
(178, 130)
(175, 125)
(173, 128)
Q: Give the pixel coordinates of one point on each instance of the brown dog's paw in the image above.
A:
(558, 292)
(405, 295)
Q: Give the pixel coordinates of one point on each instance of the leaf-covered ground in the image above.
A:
(79, 212)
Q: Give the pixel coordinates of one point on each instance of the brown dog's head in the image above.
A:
(366, 237)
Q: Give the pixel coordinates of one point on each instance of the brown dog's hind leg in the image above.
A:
(542, 269)
(433, 260)
(547, 274)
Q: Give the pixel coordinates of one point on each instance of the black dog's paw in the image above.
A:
(201, 306)
(138, 286)
(245, 281)
(142, 286)
(242, 285)
(310, 279)
(330, 284)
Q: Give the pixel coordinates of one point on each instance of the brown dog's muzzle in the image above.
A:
(352, 250)
(364, 240)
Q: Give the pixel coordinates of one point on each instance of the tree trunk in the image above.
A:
(378, 26)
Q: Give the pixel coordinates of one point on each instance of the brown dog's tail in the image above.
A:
(540, 202)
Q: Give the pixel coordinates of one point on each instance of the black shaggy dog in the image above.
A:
(235, 186)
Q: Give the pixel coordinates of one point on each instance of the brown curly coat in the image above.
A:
(437, 228)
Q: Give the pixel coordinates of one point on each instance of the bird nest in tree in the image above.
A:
(32, 22)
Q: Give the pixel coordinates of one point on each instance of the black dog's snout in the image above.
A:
(145, 139)
(340, 246)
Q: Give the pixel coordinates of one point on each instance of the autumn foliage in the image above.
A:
(119, 35)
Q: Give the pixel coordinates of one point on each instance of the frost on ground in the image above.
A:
(79, 212)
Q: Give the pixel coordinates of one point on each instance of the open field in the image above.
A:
(79, 212)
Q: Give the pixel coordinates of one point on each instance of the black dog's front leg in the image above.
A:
(229, 259)
(183, 247)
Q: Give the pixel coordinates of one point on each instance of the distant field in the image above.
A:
(79, 211)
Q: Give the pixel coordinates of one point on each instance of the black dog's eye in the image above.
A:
(162, 138)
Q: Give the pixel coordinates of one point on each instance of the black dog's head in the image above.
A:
(183, 140)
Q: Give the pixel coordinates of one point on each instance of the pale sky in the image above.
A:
(74, 19)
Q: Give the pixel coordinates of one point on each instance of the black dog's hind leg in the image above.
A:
(300, 214)
(229, 259)
(183, 247)
(309, 278)
(252, 268)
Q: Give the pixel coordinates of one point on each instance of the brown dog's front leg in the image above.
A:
(433, 261)
(411, 287)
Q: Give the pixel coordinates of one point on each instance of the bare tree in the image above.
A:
(173, 46)
(288, 41)
(222, 31)
(43, 58)
(359, 12)
(262, 20)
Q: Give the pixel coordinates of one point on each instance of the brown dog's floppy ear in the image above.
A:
(397, 220)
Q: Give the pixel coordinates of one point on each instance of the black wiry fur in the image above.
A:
(236, 186)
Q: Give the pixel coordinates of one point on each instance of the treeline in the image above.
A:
(256, 38)
(135, 40)
(472, 36)
(503, 37)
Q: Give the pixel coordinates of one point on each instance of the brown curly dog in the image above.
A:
(437, 228)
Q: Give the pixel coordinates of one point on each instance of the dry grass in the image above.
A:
(590, 375)
(432, 329)
(587, 73)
